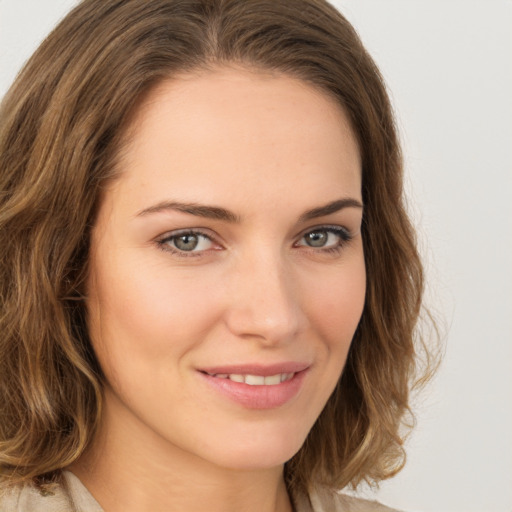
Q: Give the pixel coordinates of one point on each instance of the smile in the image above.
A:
(255, 386)
(256, 380)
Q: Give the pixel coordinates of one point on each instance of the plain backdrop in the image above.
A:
(448, 64)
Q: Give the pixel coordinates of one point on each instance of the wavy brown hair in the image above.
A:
(61, 128)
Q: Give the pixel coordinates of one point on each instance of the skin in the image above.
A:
(267, 148)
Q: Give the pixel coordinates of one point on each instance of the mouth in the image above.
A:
(255, 380)
(257, 386)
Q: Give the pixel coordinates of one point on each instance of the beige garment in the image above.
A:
(74, 497)
(325, 501)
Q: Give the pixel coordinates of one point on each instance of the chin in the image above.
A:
(256, 448)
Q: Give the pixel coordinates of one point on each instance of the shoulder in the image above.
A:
(68, 496)
(326, 501)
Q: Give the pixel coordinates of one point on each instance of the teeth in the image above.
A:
(256, 380)
(273, 380)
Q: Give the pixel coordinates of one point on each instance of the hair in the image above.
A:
(61, 128)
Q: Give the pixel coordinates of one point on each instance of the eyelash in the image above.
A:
(343, 234)
(164, 243)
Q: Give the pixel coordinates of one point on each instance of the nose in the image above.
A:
(264, 301)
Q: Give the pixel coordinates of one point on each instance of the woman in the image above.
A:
(196, 312)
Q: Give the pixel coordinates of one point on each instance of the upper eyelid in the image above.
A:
(184, 231)
(162, 240)
(326, 227)
(211, 234)
(208, 233)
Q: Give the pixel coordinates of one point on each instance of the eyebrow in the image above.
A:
(199, 210)
(217, 213)
(329, 208)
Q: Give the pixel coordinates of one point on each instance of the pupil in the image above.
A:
(317, 238)
(186, 242)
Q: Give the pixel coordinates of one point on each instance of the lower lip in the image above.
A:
(258, 397)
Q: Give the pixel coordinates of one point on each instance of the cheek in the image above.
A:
(337, 304)
(140, 314)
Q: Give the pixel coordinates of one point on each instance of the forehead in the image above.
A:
(242, 128)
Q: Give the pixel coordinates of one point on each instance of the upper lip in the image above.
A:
(265, 370)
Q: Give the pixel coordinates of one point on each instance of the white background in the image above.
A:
(448, 64)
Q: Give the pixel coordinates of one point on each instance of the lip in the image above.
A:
(264, 370)
(256, 397)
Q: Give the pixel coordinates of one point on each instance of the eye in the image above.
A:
(328, 237)
(186, 242)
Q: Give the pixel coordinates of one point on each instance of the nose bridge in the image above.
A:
(264, 302)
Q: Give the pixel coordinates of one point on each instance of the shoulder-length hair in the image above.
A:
(61, 127)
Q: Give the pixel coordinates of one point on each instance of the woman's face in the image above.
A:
(227, 273)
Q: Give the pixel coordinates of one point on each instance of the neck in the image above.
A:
(134, 476)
